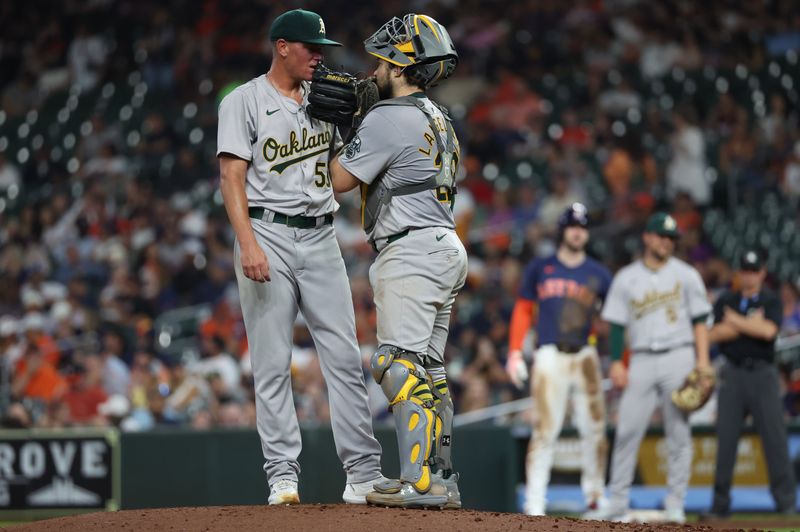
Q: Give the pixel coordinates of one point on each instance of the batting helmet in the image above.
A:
(574, 215)
(417, 43)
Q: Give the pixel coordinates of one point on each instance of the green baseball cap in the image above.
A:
(662, 224)
(299, 25)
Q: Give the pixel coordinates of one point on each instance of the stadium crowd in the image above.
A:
(112, 219)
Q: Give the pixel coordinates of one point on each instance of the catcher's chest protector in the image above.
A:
(377, 194)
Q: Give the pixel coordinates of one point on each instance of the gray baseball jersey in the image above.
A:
(288, 173)
(397, 143)
(657, 307)
(287, 151)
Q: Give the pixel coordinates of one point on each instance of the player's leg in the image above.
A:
(550, 385)
(731, 411)
(767, 409)
(405, 384)
(589, 409)
(451, 281)
(672, 370)
(269, 310)
(415, 281)
(636, 406)
(327, 305)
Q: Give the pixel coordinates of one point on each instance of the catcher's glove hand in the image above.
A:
(340, 98)
(695, 391)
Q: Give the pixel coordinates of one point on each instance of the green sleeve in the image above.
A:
(699, 319)
(616, 341)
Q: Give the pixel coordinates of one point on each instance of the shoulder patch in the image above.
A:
(352, 149)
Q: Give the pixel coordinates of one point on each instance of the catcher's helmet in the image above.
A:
(419, 44)
(574, 215)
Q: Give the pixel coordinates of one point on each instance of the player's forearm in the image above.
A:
(521, 320)
(701, 344)
(616, 341)
(232, 180)
(342, 180)
(757, 327)
(722, 332)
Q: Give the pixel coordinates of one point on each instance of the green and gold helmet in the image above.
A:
(417, 43)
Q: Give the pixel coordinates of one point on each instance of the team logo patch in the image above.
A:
(353, 148)
(321, 27)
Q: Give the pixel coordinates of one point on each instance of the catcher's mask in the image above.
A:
(417, 43)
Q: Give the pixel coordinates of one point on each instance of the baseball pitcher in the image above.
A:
(273, 177)
(568, 288)
(662, 303)
(404, 157)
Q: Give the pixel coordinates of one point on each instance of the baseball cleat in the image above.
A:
(356, 492)
(608, 514)
(677, 516)
(284, 491)
(453, 495)
(397, 494)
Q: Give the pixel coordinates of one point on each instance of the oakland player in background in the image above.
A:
(662, 303)
(404, 157)
(568, 288)
(273, 166)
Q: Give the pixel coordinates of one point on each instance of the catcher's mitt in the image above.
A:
(340, 98)
(695, 391)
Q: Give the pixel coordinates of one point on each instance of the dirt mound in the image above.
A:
(331, 517)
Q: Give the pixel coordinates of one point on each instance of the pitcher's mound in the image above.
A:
(326, 517)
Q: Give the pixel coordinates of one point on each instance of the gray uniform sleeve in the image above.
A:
(236, 131)
(616, 308)
(696, 295)
(377, 143)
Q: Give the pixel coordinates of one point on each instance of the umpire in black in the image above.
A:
(746, 324)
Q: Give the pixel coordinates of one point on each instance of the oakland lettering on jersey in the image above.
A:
(273, 149)
(654, 300)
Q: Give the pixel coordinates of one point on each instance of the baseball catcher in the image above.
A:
(408, 186)
(696, 390)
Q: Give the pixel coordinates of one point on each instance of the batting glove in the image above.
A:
(517, 369)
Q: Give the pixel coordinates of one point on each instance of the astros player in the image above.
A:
(662, 302)
(404, 157)
(273, 177)
(568, 288)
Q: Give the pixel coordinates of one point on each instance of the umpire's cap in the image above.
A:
(575, 215)
(662, 224)
(751, 260)
(299, 25)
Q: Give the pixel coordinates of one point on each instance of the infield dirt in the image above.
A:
(338, 517)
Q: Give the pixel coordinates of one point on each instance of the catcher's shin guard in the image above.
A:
(443, 407)
(405, 384)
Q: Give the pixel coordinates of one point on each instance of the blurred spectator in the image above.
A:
(687, 168)
(790, 297)
(116, 375)
(87, 57)
(86, 394)
(36, 378)
(9, 174)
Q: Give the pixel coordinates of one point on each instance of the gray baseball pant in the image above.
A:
(651, 381)
(308, 274)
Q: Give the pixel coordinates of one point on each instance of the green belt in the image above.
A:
(392, 238)
(301, 222)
